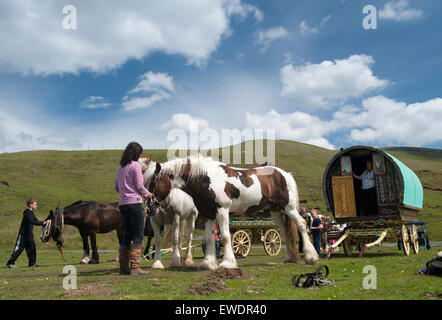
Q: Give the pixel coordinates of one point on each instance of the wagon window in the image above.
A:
(346, 166)
(379, 163)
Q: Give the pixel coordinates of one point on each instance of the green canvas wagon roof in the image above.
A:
(412, 194)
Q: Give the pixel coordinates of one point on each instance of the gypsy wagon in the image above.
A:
(399, 197)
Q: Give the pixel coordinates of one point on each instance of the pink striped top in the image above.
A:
(129, 183)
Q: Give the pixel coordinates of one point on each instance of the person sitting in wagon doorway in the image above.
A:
(25, 239)
(368, 190)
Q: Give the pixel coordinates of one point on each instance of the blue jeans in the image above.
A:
(317, 244)
(133, 224)
(216, 249)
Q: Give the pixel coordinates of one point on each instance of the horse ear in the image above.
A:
(157, 168)
(51, 212)
(148, 160)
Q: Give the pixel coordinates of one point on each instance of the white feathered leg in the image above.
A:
(157, 264)
(176, 241)
(229, 261)
(188, 259)
(209, 262)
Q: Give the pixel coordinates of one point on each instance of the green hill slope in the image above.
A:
(54, 177)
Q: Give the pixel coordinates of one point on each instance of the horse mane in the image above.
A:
(77, 203)
(199, 166)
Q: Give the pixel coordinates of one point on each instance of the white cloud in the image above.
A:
(399, 11)
(111, 32)
(299, 126)
(264, 38)
(153, 87)
(27, 130)
(236, 7)
(94, 102)
(325, 20)
(305, 29)
(330, 82)
(388, 122)
(185, 121)
(381, 121)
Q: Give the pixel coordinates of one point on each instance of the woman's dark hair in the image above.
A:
(132, 152)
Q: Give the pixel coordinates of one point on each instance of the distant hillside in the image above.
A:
(54, 177)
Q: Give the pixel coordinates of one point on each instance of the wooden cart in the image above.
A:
(246, 230)
(262, 229)
(399, 197)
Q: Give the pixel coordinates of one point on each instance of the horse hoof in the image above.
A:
(207, 266)
(93, 262)
(290, 261)
(311, 260)
(228, 265)
(189, 263)
(158, 265)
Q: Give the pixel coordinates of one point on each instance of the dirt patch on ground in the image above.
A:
(91, 290)
(214, 281)
(209, 287)
(227, 274)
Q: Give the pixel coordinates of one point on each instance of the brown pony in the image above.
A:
(90, 218)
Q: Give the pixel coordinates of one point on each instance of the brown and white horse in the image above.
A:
(175, 209)
(218, 190)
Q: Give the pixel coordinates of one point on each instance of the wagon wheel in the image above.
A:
(414, 238)
(405, 240)
(348, 248)
(241, 243)
(272, 242)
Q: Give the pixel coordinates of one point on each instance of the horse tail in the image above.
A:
(291, 232)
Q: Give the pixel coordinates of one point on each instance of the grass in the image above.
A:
(271, 279)
(62, 177)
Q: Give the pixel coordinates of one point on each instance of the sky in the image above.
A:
(332, 73)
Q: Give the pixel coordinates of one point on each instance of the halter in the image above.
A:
(153, 202)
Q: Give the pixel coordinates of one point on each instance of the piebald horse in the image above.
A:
(173, 210)
(218, 190)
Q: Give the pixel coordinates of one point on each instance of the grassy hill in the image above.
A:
(62, 177)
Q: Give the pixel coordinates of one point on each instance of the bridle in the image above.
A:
(152, 203)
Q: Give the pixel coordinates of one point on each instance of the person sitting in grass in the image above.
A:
(25, 239)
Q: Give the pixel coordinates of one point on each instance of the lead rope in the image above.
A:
(322, 281)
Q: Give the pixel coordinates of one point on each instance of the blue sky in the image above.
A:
(306, 69)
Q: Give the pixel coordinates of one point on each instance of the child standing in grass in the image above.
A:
(25, 239)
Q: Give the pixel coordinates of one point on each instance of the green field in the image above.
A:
(269, 279)
(62, 177)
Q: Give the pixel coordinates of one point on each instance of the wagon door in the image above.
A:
(344, 197)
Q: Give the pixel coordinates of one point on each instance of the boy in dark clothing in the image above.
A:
(25, 239)
(316, 231)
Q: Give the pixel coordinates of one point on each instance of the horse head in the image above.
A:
(54, 227)
(150, 171)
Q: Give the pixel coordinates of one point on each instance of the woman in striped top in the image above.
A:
(129, 183)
